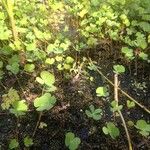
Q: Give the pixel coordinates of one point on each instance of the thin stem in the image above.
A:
(37, 124)
(39, 119)
(121, 116)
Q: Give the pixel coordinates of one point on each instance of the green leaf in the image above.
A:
(102, 91)
(69, 60)
(13, 144)
(19, 107)
(69, 137)
(50, 61)
(119, 69)
(1, 64)
(113, 130)
(67, 66)
(128, 52)
(45, 102)
(31, 46)
(38, 79)
(71, 141)
(59, 58)
(105, 130)
(28, 141)
(143, 126)
(29, 67)
(130, 104)
(74, 144)
(47, 77)
(143, 56)
(96, 114)
(83, 12)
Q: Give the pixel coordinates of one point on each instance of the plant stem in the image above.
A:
(8, 5)
(37, 124)
(121, 116)
(123, 92)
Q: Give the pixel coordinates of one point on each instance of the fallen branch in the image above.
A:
(120, 113)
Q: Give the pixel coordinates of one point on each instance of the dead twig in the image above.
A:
(120, 113)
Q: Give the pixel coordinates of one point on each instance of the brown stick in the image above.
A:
(121, 116)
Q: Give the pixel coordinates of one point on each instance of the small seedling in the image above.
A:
(93, 113)
(115, 107)
(102, 92)
(47, 79)
(130, 104)
(13, 144)
(9, 98)
(29, 67)
(128, 53)
(143, 127)
(130, 123)
(19, 108)
(71, 141)
(119, 69)
(42, 125)
(45, 102)
(28, 141)
(111, 129)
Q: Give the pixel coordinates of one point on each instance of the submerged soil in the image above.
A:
(73, 98)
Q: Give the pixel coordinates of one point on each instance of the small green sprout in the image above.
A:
(128, 53)
(71, 141)
(13, 144)
(130, 104)
(102, 92)
(111, 129)
(93, 113)
(19, 108)
(119, 69)
(115, 107)
(29, 67)
(28, 141)
(143, 127)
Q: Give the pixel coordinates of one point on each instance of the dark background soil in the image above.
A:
(72, 100)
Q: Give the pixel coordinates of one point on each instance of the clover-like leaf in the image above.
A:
(45, 102)
(144, 127)
(71, 141)
(119, 69)
(29, 67)
(13, 144)
(19, 108)
(28, 141)
(46, 78)
(96, 114)
(111, 129)
(102, 91)
(130, 104)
